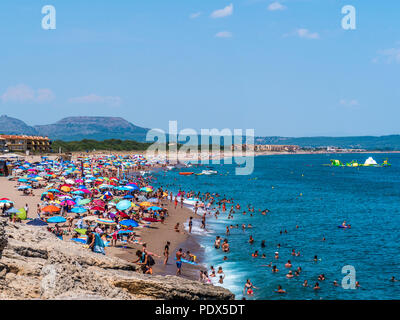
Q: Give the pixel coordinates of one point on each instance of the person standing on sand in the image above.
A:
(203, 221)
(181, 201)
(176, 202)
(190, 224)
(179, 255)
(166, 252)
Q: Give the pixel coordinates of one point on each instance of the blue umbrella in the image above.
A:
(123, 205)
(154, 208)
(24, 187)
(56, 219)
(128, 196)
(12, 210)
(125, 231)
(129, 223)
(78, 210)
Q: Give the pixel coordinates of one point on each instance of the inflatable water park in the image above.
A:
(370, 162)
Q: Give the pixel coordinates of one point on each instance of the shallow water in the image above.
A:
(299, 190)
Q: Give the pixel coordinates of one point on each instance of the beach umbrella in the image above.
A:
(83, 202)
(97, 208)
(81, 231)
(54, 190)
(6, 201)
(145, 204)
(154, 208)
(12, 210)
(150, 220)
(22, 180)
(90, 218)
(78, 192)
(129, 223)
(68, 203)
(37, 222)
(56, 219)
(84, 190)
(24, 187)
(128, 196)
(78, 210)
(106, 222)
(107, 194)
(51, 209)
(125, 231)
(65, 189)
(124, 204)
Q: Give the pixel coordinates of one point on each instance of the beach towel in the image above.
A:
(98, 244)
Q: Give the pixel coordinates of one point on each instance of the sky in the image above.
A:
(282, 68)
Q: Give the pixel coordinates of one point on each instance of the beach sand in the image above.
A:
(155, 237)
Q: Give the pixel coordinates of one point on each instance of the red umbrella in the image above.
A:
(151, 220)
(97, 208)
(99, 203)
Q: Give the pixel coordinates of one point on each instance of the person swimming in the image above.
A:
(280, 290)
(288, 264)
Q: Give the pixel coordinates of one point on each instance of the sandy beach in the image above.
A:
(154, 236)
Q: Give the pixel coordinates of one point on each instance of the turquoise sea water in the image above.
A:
(367, 198)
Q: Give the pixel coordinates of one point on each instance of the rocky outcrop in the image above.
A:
(35, 264)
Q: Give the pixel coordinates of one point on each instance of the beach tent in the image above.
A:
(37, 222)
(21, 214)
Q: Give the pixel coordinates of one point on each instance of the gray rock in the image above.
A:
(35, 264)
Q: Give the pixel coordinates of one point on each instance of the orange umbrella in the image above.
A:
(146, 204)
(65, 189)
(51, 209)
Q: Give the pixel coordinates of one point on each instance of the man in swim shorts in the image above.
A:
(179, 255)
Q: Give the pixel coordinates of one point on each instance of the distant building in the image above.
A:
(266, 147)
(33, 144)
(276, 148)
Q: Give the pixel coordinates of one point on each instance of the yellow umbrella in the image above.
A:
(65, 189)
(145, 204)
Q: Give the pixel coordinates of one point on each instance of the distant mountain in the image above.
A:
(104, 128)
(10, 125)
(96, 128)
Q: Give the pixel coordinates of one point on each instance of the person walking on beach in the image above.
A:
(166, 252)
(176, 202)
(203, 221)
(179, 255)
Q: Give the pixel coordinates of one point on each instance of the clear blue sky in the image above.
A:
(291, 71)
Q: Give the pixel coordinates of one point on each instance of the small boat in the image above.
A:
(209, 172)
(186, 173)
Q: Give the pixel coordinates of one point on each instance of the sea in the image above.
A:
(309, 200)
